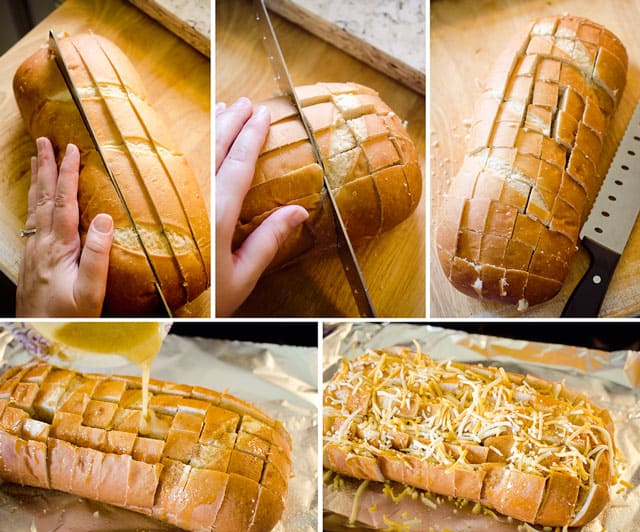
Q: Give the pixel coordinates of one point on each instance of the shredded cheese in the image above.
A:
(434, 410)
(356, 502)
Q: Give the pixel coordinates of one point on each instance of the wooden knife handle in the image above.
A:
(586, 299)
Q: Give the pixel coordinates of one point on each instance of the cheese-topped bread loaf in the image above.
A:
(530, 448)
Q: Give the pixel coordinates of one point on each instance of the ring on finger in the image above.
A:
(27, 232)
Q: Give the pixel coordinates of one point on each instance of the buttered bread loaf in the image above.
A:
(200, 460)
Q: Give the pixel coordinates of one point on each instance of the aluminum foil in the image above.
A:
(280, 380)
(601, 375)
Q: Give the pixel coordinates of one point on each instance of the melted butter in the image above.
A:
(138, 342)
(146, 373)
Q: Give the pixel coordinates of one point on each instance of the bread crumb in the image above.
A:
(523, 305)
(503, 288)
(477, 286)
(467, 122)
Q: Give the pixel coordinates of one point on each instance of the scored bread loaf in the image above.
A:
(508, 226)
(158, 186)
(369, 159)
(201, 460)
(529, 448)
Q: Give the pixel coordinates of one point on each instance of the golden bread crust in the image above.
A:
(508, 225)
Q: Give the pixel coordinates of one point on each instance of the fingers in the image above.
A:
(91, 283)
(32, 197)
(229, 122)
(261, 246)
(236, 172)
(65, 215)
(220, 106)
(33, 186)
(47, 175)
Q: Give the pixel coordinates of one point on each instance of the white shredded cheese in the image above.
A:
(457, 406)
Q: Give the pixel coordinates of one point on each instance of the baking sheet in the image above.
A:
(599, 374)
(280, 380)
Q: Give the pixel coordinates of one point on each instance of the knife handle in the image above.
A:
(586, 299)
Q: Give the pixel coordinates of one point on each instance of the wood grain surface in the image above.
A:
(393, 263)
(177, 79)
(465, 37)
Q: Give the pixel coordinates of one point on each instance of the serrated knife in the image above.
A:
(608, 227)
(345, 249)
(66, 75)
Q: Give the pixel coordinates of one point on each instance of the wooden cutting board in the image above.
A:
(465, 36)
(177, 79)
(393, 263)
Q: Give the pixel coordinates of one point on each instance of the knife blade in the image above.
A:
(346, 253)
(66, 75)
(608, 227)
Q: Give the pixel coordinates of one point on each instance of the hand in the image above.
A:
(52, 282)
(240, 134)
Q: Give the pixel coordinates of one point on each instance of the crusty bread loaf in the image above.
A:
(202, 460)
(158, 186)
(508, 226)
(529, 448)
(368, 156)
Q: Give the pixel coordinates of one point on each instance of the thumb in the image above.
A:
(261, 246)
(91, 284)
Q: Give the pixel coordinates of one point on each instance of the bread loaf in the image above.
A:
(201, 460)
(529, 448)
(368, 156)
(508, 226)
(159, 188)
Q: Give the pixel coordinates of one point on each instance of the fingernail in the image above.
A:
(261, 112)
(41, 142)
(220, 106)
(242, 102)
(301, 214)
(69, 149)
(103, 223)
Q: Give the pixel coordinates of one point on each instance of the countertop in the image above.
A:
(389, 36)
(397, 27)
(188, 19)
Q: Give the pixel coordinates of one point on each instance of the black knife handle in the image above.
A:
(586, 299)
